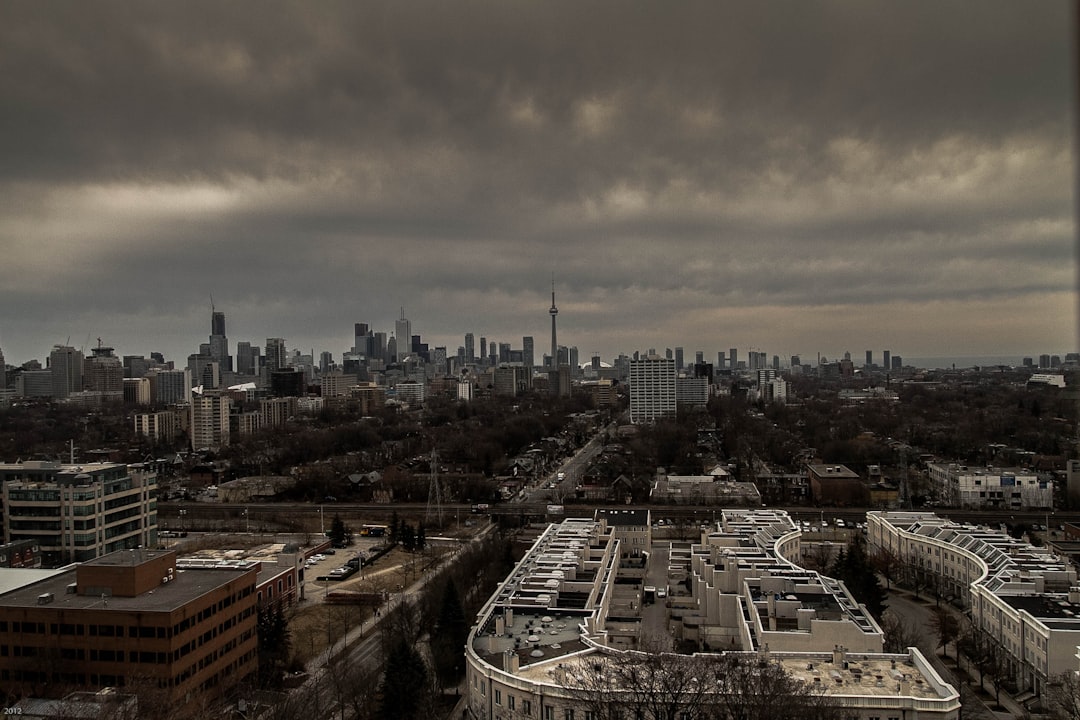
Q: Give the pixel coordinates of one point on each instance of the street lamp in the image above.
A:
(182, 514)
(247, 525)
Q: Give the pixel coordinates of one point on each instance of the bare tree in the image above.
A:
(753, 688)
(944, 623)
(900, 633)
(654, 686)
(887, 563)
(1063, 695)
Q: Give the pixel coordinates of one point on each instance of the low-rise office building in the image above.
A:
(991, 487)
(127, 618)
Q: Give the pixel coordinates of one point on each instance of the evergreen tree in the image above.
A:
(407, 536)
(273, 643)
(421, 537)
(448, 640)
(337, 532)
(855, 569)
(395, 529)
(404, 682)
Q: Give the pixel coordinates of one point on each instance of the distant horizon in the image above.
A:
(938, 361)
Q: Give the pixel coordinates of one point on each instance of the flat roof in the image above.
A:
(186, 586)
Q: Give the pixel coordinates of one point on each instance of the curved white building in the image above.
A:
(1024, 598)
(577, 606)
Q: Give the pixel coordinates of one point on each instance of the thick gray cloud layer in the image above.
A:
(793, 176)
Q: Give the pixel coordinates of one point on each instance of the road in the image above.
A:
(573, 468)
(320, 693)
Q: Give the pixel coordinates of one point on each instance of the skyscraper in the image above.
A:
(678, 358)
(217, 323)
(869, 359)
(66, 364)
(403, 332)
(219, 343)
(652, 389)
(275, 354)
(733, 357)
(886, 363)
(527, 351)
(470, 348)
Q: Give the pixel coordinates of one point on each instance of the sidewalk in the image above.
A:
(953, 672)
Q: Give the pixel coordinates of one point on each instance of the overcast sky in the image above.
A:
(796, 177)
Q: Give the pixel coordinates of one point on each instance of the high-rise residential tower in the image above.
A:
(275, 354)
(470, 348)
(219, 343)
(652, 389)
(66, 364)
(528, 356)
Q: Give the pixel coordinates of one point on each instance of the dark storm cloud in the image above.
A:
(334, 161)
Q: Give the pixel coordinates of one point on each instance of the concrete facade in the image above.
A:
(572, 608)
(79, 512)
(1025, 599)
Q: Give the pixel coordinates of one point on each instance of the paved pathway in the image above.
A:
(919, 612)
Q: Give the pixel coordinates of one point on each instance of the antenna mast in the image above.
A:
(434, 498)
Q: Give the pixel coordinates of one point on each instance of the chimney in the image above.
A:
(509, 614)
(838, 655)
(500, 625)
(1074, 594)
(905, 685)
(511, 662)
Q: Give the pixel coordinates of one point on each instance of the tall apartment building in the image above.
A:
(652, 389)
(512, 380)
(163, 426)
(276, 412)
(66, 364)
(34, 383)
(692, 391)
(528, 351)
(209, 424)
(370, 397)
(103, 372)
(132, 616)
(275, 354)
(170, 387)
(79, 512)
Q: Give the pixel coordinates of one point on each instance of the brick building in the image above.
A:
(131, 617)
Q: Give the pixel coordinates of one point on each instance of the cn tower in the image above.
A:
(554, 342)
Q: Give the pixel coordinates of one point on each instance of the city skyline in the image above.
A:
(805, 178)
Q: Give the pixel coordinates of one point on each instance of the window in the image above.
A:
(526, 707)
(549, 712)
(568, 714)
(498, 697)
(510, 701)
